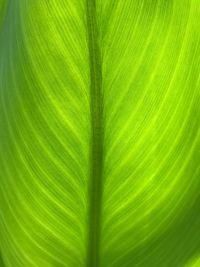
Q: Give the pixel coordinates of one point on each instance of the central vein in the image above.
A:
(96, 140)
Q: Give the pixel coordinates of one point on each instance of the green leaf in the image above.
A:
(99, 133)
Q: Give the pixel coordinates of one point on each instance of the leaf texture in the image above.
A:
(99, 133)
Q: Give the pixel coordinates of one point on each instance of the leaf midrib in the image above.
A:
(96, 152)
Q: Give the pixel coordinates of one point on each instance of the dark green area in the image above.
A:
(95, 186)
(1, 261)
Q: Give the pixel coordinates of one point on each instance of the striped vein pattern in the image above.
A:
(150, 63)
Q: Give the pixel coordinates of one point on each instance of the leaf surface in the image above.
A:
(99, 133)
